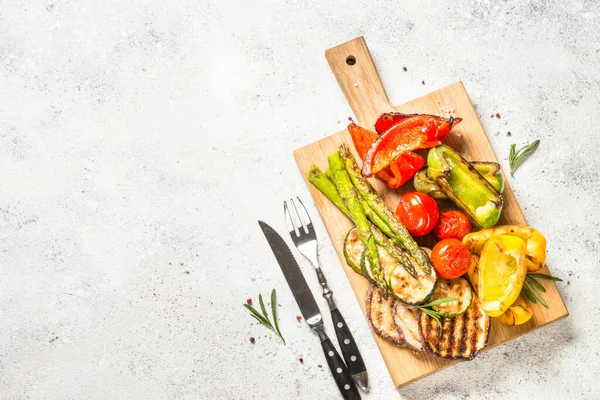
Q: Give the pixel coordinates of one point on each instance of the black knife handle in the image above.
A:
(349, 348)
(339, 371)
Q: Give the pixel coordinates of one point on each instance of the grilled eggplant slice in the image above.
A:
(353, 250)
(458, 287)
(380, 316)
(406, 319)
(462, 337)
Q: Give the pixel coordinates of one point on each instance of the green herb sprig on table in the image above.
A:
(434, 314)
(516, 158)
(264, 317)
(531, 287)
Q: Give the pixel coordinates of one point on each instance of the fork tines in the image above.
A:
(297, 220)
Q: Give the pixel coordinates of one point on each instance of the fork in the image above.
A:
(304, 237)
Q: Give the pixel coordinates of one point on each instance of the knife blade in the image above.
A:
(310, 310)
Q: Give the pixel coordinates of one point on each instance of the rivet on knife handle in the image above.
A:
(339, 371)
(354, 361)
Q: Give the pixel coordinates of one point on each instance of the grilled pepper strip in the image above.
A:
(387, 120)
(489, 170)
(413, 133)
(459, 180)
(350, 198)
(402, 237)
(400, 170)
(535, 242)
(326, 186)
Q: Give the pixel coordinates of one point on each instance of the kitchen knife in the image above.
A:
(310, 310)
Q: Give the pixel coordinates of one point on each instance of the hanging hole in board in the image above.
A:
(350, 60)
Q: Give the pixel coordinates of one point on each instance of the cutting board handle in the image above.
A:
(356, 74)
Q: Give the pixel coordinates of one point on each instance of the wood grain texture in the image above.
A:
(360, 82)
(471, 141)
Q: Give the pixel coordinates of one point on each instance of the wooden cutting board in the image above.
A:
(355, 71)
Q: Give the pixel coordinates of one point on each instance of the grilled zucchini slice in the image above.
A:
(462, 337)
(366, 270)
(403, 286)
(380, 316)
(458, 287)
(353, 250)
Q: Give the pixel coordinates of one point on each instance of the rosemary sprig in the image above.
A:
(516, 157)
(264, 317)
(532, 287)
(434, 314)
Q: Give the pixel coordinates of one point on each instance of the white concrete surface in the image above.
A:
(140, 141)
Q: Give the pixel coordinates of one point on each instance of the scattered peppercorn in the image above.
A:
(319, 365)
(422, 82)
(299, 318)
(543, 171)
(404, 69)
(497, 115)
(301, 360)
(492, 116)
(508, 133)
(252, 340)
(249, 301)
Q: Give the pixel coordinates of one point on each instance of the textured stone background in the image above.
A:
(140, 141)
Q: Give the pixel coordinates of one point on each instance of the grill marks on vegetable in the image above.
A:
(464, 332)
(463, 336)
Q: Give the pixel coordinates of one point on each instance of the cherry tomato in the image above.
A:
(418, 212)
(452, 224)
(450, 258)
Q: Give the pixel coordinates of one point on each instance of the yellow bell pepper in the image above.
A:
(535, 242)
(501, 273)
(518, 313)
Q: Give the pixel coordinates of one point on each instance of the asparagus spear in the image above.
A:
(350, 198)
(327, 187)
(364, 188)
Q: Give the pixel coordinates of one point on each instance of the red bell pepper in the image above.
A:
(400, 170)
(418, 131)
(387, 120)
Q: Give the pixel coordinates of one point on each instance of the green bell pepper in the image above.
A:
(467, 188)
(489, 170)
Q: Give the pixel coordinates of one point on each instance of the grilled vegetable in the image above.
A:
(491, 171)
(353, 250)
(408, 289)
(424, 184)
(400, 170)
(518, 313)
(326, 186)
(452, 224)
(459, 180)
(450, 258)
(380, 316)
(462, 337)
(501, 273)
(418, 212)
(401, 236)
(406, 319)
(387, 120)
(401, 284)
(535, 242)
(413, 133)
(367, 270)
(350, 198)
(459, 288)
